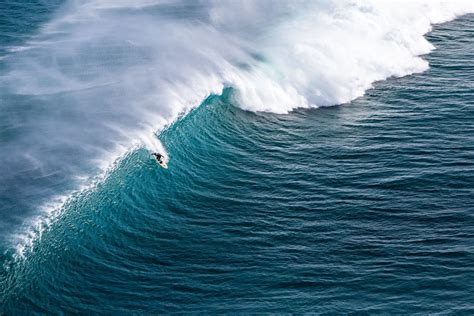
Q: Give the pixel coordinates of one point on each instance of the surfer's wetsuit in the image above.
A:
(158, 157)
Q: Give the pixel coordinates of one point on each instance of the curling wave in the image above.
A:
(103, 76)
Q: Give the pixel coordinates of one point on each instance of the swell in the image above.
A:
(392, 162)
(104, 76)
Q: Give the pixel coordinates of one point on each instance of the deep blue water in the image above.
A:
(363, 207)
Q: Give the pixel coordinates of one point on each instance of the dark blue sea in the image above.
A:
(320, 157)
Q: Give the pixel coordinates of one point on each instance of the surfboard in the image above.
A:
(163, 164)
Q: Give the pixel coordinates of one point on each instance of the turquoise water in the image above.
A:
(365, 206)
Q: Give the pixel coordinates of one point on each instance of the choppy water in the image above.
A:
(365, 206)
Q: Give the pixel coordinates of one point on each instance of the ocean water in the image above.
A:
(321, 157)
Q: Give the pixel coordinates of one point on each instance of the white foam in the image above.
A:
(334, 51)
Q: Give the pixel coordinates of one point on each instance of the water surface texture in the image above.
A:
(305, 179)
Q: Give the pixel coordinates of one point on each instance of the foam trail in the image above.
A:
(103, 76)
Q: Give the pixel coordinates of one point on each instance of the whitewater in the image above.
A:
(106, 77)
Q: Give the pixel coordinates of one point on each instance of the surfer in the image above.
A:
(160, 158)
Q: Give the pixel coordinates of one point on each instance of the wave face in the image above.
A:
(265, 213)
(293, 209)
(102, 76)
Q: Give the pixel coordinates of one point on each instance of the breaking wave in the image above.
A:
(104, 76)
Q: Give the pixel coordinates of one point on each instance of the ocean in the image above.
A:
(320, 153)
